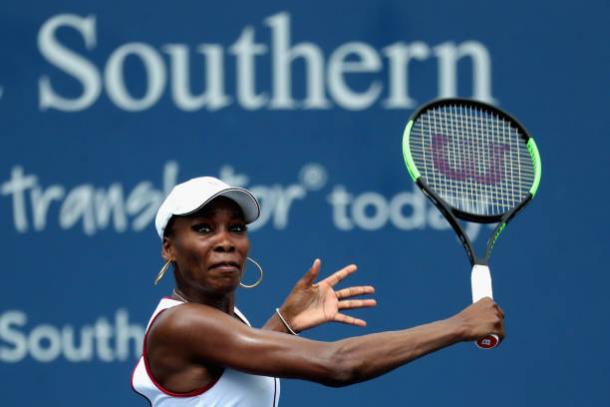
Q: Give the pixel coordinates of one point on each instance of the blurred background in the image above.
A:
(104, 106)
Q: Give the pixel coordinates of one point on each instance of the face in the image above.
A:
(209, 248)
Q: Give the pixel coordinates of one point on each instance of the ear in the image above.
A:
(167, 249)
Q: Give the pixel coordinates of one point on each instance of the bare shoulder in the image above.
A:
(189, 315)
(188, 324)
(198, 335)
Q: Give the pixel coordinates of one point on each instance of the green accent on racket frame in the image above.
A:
(533, 149)
(496, 236)
(406, 151)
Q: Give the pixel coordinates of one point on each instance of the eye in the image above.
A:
(239, 228)
(202, 228)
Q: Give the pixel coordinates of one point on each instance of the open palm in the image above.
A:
(311, 304)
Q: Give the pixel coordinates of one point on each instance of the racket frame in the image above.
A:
(452, 214)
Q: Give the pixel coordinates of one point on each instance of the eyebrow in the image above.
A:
(209, 213)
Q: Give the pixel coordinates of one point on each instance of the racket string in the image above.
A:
(472, 158)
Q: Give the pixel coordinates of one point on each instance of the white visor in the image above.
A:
(192, 195)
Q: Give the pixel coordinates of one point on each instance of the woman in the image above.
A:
(199, 350)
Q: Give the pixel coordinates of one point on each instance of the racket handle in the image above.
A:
(480, 281)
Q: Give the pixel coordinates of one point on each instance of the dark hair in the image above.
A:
(169, 228)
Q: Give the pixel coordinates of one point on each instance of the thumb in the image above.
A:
(311, 275)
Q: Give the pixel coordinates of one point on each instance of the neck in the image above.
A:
(225, 303)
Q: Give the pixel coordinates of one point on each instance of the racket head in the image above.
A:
(479, 160)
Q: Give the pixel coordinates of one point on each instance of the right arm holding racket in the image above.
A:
(195, 332)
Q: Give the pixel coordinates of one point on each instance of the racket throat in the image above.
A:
(480, 282)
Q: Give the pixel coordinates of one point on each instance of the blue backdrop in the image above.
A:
(105, 105)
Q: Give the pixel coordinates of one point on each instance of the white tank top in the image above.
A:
(232, 389)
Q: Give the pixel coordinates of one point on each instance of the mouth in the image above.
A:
(227, 266)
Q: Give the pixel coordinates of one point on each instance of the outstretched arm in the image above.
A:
(203, 335)
(310, 304)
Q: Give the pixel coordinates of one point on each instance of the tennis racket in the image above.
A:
(475, 163)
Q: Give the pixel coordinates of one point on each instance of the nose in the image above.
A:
(224, 243)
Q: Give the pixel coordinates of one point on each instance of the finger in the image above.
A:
(336, 277)
(501, 311)
(501, 324)
(311, 274)
(346, 319)
(351, 304)
(354, 291)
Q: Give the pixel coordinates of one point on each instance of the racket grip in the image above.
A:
(480, 281)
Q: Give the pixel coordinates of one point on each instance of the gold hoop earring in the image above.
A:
(162, 272)
(260, 278)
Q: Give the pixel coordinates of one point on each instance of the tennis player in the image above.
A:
(200, 350)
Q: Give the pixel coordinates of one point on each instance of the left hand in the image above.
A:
(309, 305)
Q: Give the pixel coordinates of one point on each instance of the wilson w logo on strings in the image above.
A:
(472, 164)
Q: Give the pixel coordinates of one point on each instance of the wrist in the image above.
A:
(289, 328)
(456, 328)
